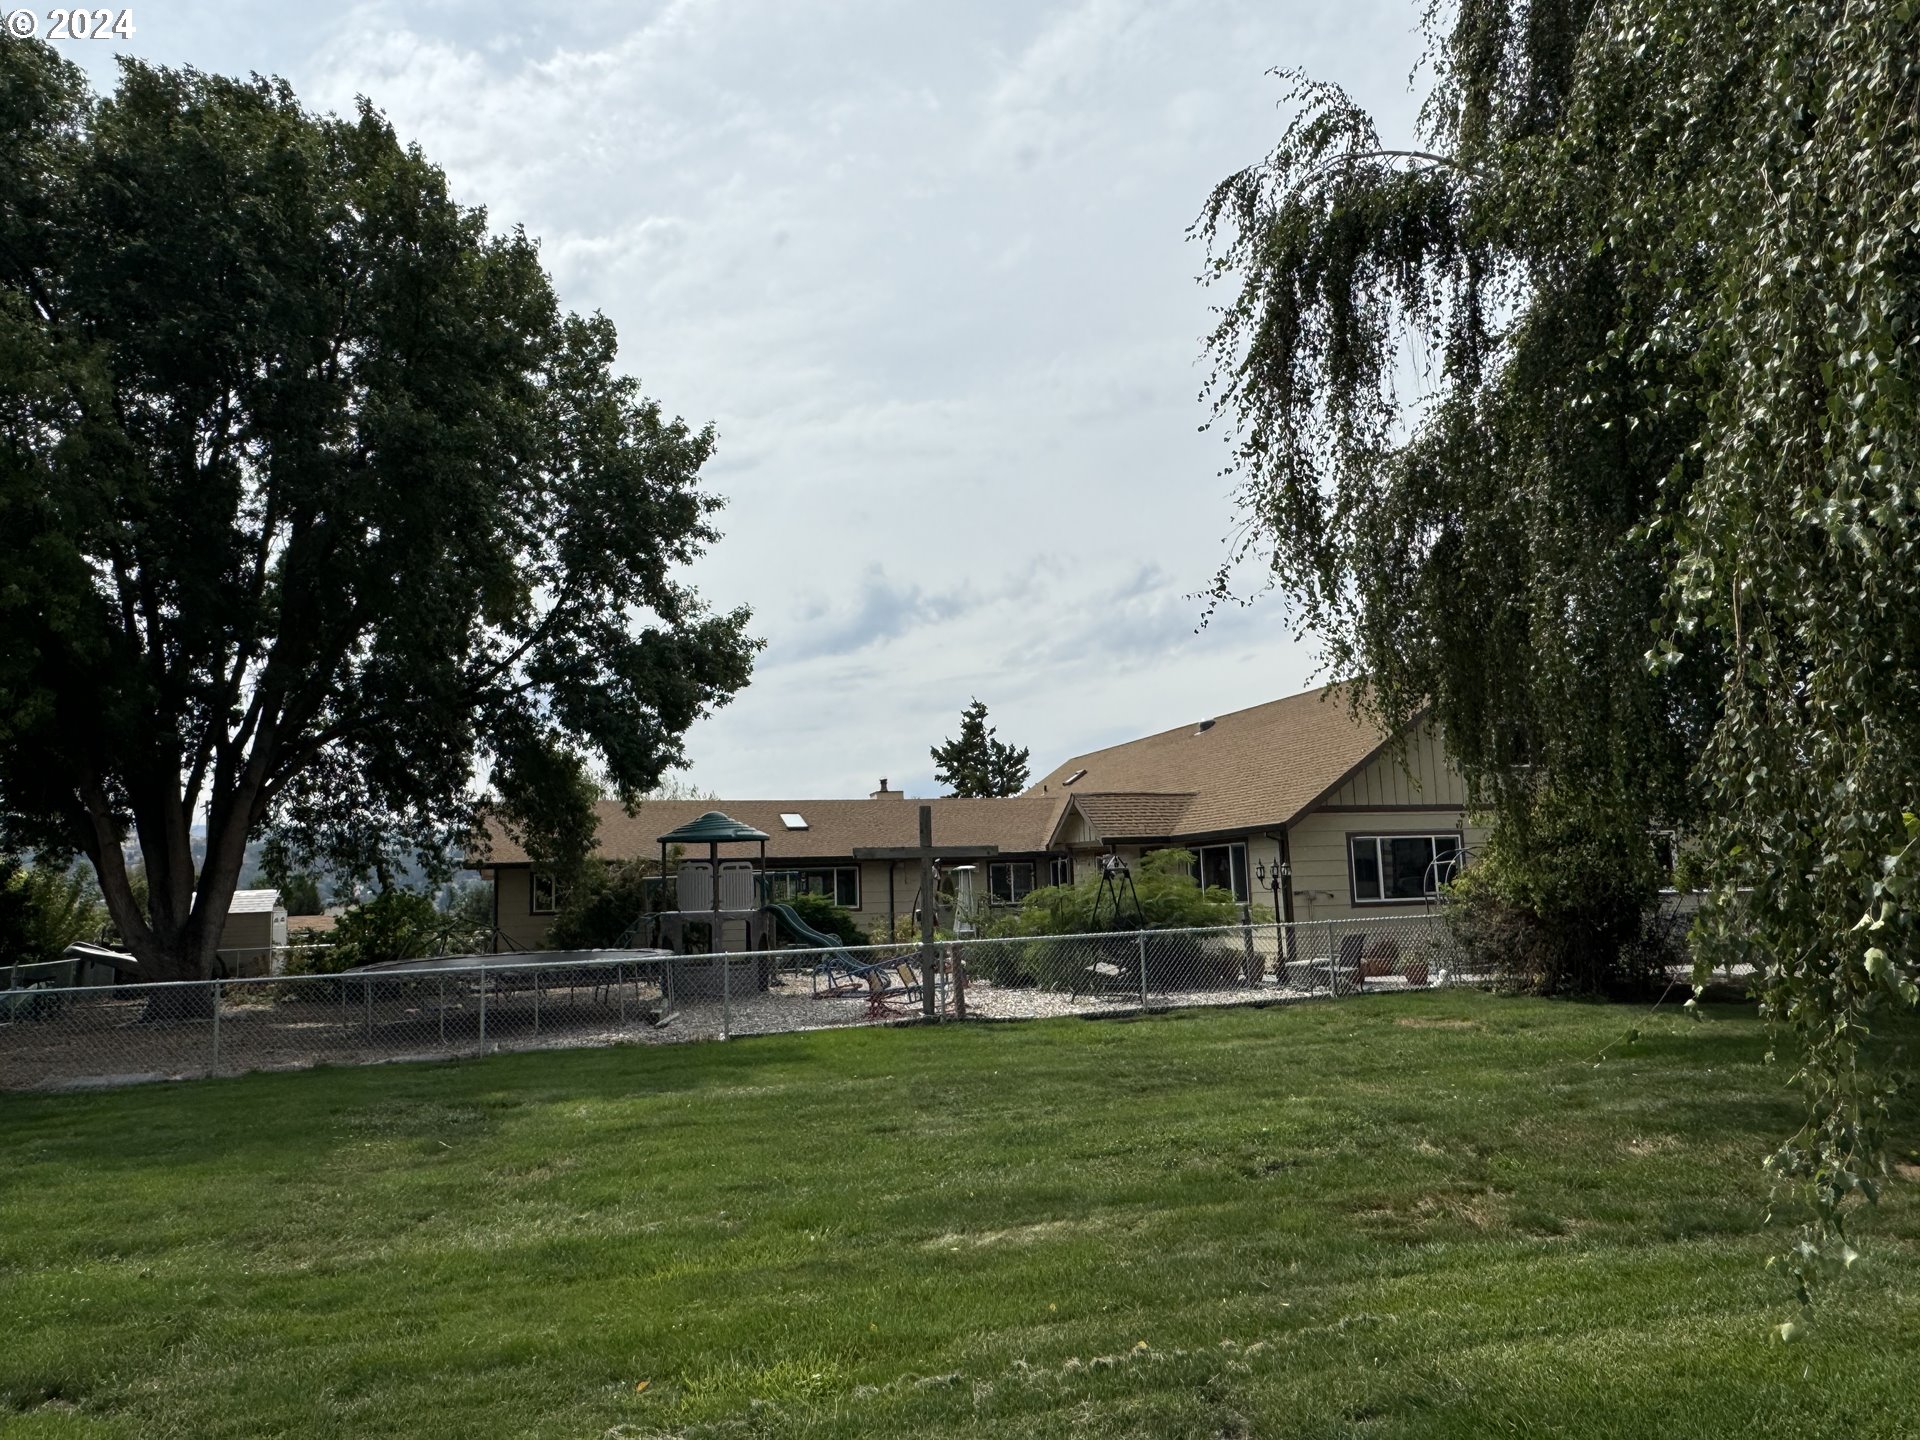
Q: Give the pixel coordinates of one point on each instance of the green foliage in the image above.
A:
(1170, 899)
(314, 503)
(469, 906)
(602, 904)
(43, 910)
(976, 765)
(828, 918)
(394, 925)
(1563, 900)
(301, 895)
(1650, 535)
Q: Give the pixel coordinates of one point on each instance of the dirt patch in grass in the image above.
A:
(1652, 1144)
(1434, 1022)
(1019, 1235)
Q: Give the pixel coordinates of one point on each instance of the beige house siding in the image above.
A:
(1427, 777)
(1322, 884)
(513, 890)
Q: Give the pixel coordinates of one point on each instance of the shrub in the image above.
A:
(394, 925)
(43, 910)
(1563, 901)
(602, 904)
(1170, 899)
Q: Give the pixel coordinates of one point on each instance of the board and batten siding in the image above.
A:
(1426, 778)
(1417, 792)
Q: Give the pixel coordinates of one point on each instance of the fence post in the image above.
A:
(483, 1008)
(726, 991)
(216, 1028)
(367, 991)
(1140, 938)
(537, 980)
(443, 1012)
(620, 984)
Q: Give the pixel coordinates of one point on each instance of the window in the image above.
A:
(1060, 870)
(1222, 867)
(839, 883)
(1010, 881)
(1386, 868)
(545, 895)
(793, 820)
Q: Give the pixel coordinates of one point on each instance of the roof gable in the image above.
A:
(1256, 767)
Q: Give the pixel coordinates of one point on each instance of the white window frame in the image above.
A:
(1377, 838)
(1238, 881)
(556, 893)
(1060, 870)
(1014, 894)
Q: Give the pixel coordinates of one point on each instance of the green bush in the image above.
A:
(43, 910)
(602, 904)
(1563, 901)
(1170, 899)
(394, 925)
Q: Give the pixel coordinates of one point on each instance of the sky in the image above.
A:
(926, 270)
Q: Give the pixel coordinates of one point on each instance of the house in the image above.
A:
(810, 845)
(1295, 789)
(256, 928)
(1292, 805)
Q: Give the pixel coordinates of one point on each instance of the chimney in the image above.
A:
(883, 793)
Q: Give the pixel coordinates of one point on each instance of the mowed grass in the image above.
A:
(1436, 1215)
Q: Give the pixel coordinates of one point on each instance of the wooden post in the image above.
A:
(925, 854)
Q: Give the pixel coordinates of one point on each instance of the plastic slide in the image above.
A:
(807, 935)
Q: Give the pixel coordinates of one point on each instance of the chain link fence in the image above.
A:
(72, 1037)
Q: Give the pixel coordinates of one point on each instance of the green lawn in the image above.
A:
(1424, 1216)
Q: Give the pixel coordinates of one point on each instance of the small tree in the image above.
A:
(43, 910)
(976, 765)
(603, 903)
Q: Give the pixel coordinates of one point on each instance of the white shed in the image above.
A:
(255, 931)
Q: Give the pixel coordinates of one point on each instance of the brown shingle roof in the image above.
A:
(1133, 817)
(1020, 824)
(1252, 768)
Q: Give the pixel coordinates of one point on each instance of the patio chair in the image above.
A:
(893, 988)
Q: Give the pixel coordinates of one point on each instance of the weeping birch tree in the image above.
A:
(1586, 415)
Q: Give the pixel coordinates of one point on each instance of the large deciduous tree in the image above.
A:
(313, 505)
(1588, 416)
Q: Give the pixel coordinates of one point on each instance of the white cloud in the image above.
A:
(926, 271)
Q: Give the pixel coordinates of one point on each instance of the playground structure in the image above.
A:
(723, 926)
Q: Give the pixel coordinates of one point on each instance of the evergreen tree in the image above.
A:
(975, 765)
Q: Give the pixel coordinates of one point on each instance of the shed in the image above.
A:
(255, 931)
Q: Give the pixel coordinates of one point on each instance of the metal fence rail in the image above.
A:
(59, 1038)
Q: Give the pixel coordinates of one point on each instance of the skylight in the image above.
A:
(793, 820)
(1077, 775)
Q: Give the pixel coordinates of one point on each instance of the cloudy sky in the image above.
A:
(925, 268)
